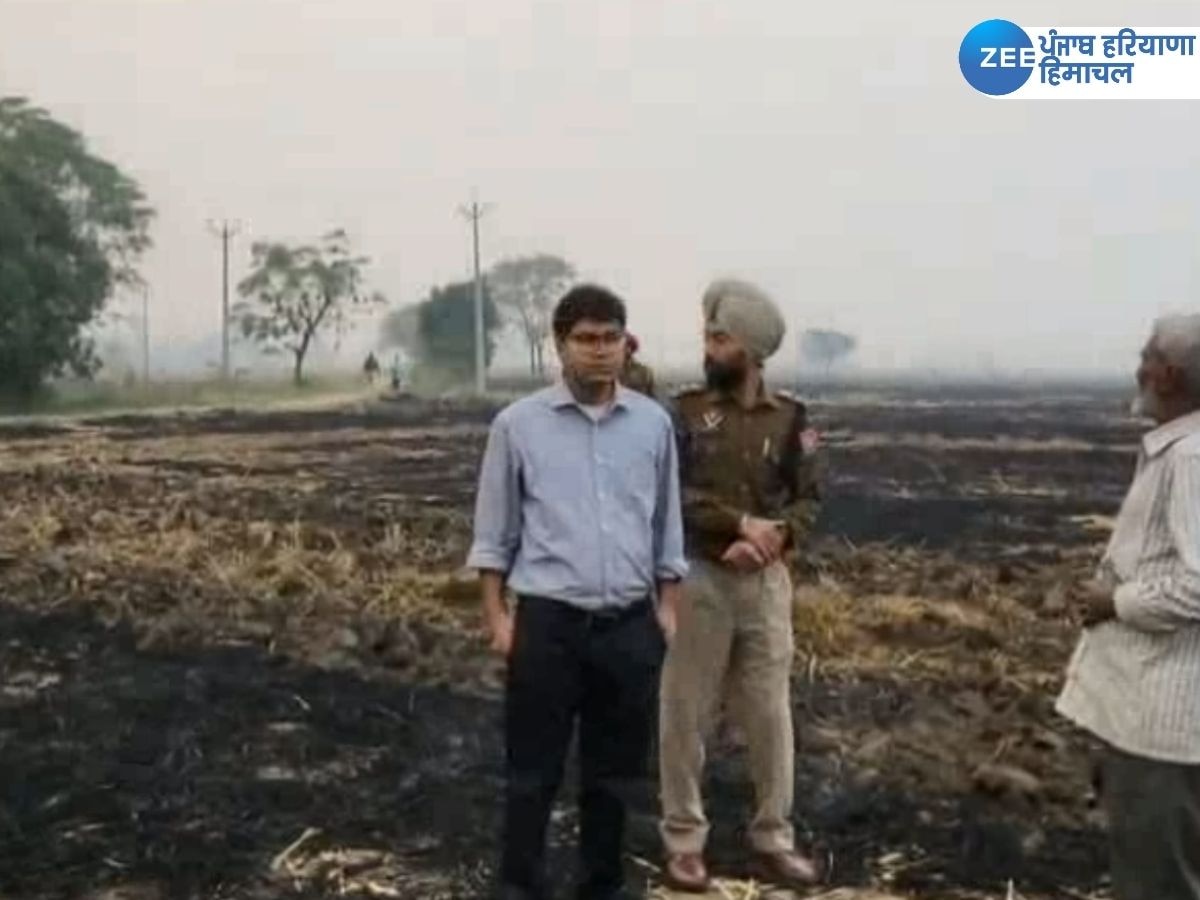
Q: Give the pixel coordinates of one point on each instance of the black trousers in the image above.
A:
(599, 669)
(1154, 827)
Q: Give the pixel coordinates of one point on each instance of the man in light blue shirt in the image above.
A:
(578, 512)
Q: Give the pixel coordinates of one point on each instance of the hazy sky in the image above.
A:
(831, 151)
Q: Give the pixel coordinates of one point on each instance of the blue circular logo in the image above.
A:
(996, 57)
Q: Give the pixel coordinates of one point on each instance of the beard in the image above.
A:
(724, 376)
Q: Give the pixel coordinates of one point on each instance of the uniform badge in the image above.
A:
(810, 440)
(712, 420)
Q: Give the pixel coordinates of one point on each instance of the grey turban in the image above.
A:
(746, 312)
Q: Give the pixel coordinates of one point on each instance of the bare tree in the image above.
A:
(526, 290)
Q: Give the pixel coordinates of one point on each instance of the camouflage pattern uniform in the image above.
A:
(735, 629)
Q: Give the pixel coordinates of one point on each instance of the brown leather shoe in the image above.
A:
(687, 872)
(787, 870)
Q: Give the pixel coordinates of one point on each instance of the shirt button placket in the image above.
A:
(601, 497)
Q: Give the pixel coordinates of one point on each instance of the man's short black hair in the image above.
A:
(587, 301)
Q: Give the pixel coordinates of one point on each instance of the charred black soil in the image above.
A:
(223, 630)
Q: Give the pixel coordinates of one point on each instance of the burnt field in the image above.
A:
(241, 661)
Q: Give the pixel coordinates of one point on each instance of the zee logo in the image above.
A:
(997, 57)
(1008, 58)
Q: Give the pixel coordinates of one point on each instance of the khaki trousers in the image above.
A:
(735, 632)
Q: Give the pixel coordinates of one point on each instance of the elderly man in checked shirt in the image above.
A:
(579, 514)
(1135, 679)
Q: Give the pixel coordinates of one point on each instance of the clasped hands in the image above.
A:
(760, 542)
(1094, 603)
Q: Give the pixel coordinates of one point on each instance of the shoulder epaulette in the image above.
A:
(688, 390)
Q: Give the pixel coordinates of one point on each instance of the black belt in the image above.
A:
(618, 614)
(606, 616)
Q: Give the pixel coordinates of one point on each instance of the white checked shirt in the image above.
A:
(1135, 682)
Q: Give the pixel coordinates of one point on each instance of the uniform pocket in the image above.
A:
(709, 444)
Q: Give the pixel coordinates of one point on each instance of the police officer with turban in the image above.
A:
(750, 497)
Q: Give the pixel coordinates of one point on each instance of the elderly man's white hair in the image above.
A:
(1177, 338)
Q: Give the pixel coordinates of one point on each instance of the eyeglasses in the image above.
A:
(593, 340)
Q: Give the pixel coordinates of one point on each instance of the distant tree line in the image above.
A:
(73, 229)
(438, 333)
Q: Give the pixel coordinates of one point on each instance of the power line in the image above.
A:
(473, 213)
(225, 230)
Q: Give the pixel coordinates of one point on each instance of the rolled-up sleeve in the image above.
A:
(498, 504)
(1172, 600)
(669, 560)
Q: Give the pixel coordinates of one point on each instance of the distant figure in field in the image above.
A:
(635, 375)
(1135, 679)
(371, 369)
(397, 374)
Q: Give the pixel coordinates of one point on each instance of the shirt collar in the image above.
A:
(561, 397)
(764, 399)
(1162, 437)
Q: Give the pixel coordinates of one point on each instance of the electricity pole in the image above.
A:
(146, 333)
(473, 214)
(225, 231)
(798, 362)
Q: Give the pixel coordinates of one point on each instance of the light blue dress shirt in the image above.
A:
(580, 508)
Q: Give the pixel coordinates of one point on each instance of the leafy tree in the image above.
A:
(293, 294)
(72, 229)
(526, 290)
(439, 332)
(446, 328)
(825, 347)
